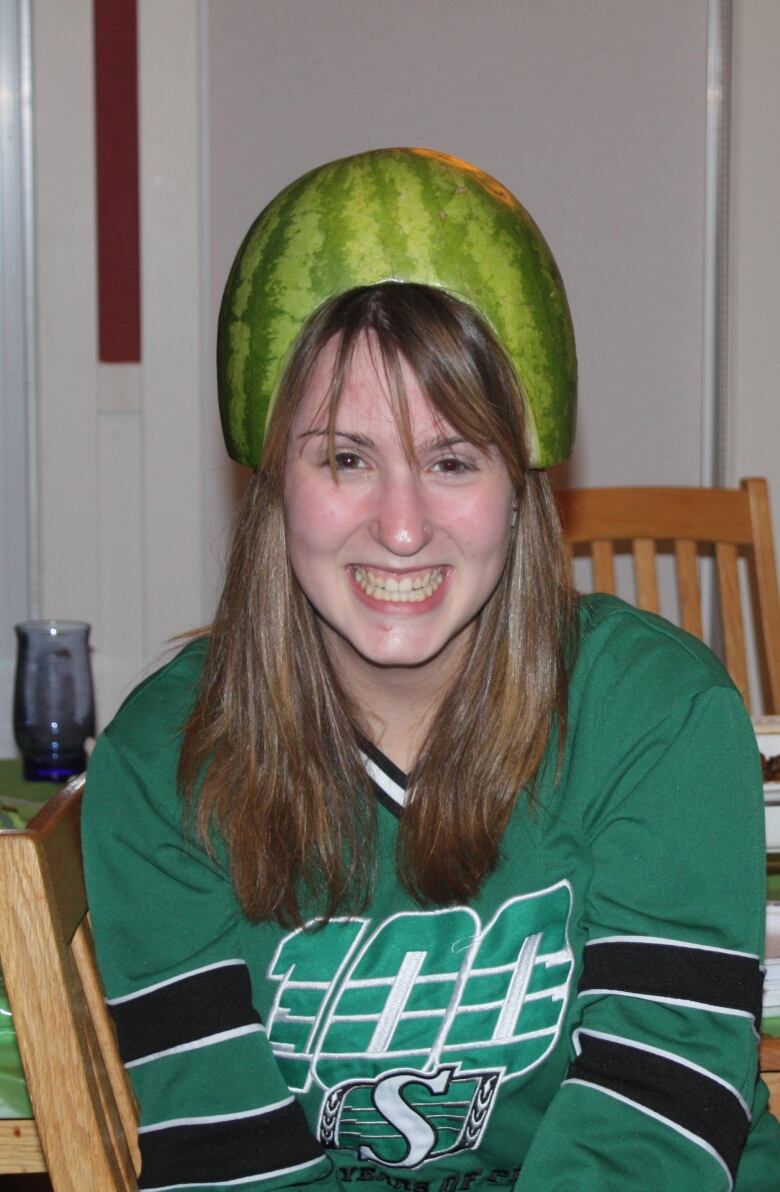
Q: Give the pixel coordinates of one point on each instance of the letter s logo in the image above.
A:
(419, 1135)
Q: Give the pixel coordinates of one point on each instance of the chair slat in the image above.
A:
(765, 582)
(688, 591)
(645, 575)
(58, 829)
(731, 615)
(603, 555)
(125, 1141)
(770, 1071)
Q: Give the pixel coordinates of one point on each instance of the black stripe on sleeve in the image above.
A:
(221, 1151)
(183, 1011)
(685, 1097)
(727, 980)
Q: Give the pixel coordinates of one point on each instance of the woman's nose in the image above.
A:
(402, 523)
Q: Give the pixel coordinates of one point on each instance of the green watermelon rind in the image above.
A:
(395, 215)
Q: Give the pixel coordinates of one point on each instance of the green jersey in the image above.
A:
(586, 1024)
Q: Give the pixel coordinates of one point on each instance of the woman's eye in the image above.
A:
(452, 466)
(347, 461)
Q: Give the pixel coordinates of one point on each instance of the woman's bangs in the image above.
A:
(470, 386)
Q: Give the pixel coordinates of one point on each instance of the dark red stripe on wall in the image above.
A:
(116, 141)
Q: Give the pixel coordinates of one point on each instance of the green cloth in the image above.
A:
(19, 801)
(14, 1101)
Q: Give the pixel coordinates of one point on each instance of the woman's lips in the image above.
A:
(413, 591)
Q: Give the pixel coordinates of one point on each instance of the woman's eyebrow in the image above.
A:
(437, 444)
(358, 440)
(443, 442)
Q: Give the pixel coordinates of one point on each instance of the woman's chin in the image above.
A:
(398, 648)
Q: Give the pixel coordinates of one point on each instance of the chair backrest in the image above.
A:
(85, 1116)
(689, 522)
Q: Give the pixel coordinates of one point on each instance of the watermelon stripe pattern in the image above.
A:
(410, 215)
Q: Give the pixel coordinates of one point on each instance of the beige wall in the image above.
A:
(755, 291)
(593, 112)
(753, 441)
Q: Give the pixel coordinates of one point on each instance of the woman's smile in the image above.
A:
(388, 587)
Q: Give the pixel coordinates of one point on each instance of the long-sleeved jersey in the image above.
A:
(586, 1024)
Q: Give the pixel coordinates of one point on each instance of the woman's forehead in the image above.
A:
(366, 363)
(366, 390)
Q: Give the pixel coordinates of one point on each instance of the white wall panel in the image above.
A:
(67, 319)
(169, 83)
(18, 565)
(119, 445)
(755, 293)
(119, 639)
(754, 388)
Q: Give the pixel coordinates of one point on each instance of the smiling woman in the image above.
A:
(397, 547)
(416, 870)
(380, 543)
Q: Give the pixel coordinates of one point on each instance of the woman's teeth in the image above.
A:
(407, 590)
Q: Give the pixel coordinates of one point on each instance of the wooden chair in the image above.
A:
(84, 1131)
(689, 522)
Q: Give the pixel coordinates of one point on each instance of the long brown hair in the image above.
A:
(270, 756)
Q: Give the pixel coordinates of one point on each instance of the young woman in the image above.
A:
(415, 871)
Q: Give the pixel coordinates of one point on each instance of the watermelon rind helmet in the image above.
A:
(404, 215)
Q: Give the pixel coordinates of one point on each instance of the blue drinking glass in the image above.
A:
(54, 702)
